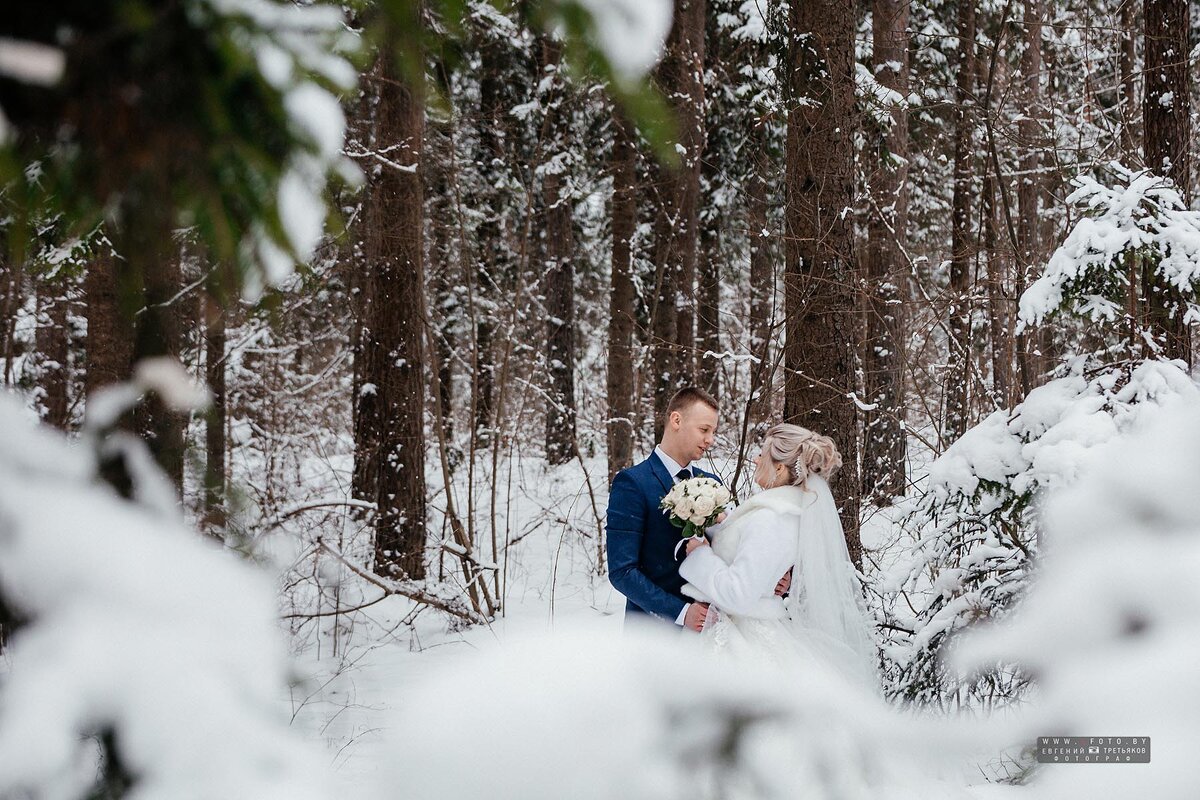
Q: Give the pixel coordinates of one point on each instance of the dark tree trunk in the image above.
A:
(52, 345)
(10, 301)
(560, 324)
(1166, 117)
(621, 299)
(681, 79)
(999, 316)
(390, 429)
(884, 446)
(708, 290)
(762, 278)
(109, 333)
(149, 281)
(493, 265)
(959, 372)
(1128, 63)
(444, 301)
(819, 290)
(1029, 191)
(215, 513)
(560, 276)
(441, 262)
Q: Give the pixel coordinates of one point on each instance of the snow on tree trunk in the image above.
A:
(1167, 142)
(680, 77)
(390, 437)
(884, 446)
(559, 253)
(958, 380)
(619, 377)
(819, 291)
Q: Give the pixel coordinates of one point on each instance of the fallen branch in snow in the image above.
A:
(288, 513)
(468, 555)
(413, 593)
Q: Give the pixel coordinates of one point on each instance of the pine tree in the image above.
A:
(680, 78)
(559, 245)
(1166, 115)
(884, 446)
(819, 298)
(619, 378)
(958, 375)
(390, 429)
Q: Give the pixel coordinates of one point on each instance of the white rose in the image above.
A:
(684, 509)
(704, 506)
(722, 496)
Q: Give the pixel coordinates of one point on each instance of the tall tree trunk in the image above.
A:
(621, 299)
(1029, 191)
(391, 402)
(560, 324)
(560, 272)
(1128, 63)
(10, 301)
(149, 279)
(1166, 116)
(109, 334)
(52, 344)
(215, 513)
(999, 302)
(442, 268)
(958, 376)
(819, 291)
(681, 78)
(444, 301)
(884, 446)
(708, 290)
(493, 265)
(762, 278)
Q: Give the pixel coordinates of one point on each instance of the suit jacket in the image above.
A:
(642, 541)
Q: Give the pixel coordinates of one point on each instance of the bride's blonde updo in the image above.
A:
(803, 452)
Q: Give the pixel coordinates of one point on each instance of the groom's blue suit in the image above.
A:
(642, 541)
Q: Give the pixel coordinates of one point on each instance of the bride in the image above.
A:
(793, 524)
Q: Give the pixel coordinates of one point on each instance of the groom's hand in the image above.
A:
(693, 620)
(785, 583)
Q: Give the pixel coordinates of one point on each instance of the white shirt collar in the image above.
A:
(668, 462)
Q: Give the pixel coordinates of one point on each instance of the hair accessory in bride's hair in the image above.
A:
(802, 451)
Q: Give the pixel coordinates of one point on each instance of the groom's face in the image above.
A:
(696, 428)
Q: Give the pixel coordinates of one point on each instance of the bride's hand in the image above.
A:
(721, 518)
(696, 542)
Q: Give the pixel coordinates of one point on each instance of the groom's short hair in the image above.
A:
(688, 396)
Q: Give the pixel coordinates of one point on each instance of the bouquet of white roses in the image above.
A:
(695, 504)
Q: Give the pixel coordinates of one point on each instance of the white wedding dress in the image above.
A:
(822, 620)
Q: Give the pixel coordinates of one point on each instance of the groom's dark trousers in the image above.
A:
(642, 541)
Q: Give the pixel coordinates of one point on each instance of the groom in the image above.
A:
(643, 545)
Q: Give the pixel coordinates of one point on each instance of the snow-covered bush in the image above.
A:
(1141, 220)
(1111, 622)
(976, 525)
(146, 661)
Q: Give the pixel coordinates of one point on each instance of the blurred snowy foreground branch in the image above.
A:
(650, 714)
(1110, 627)
(143, 648)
